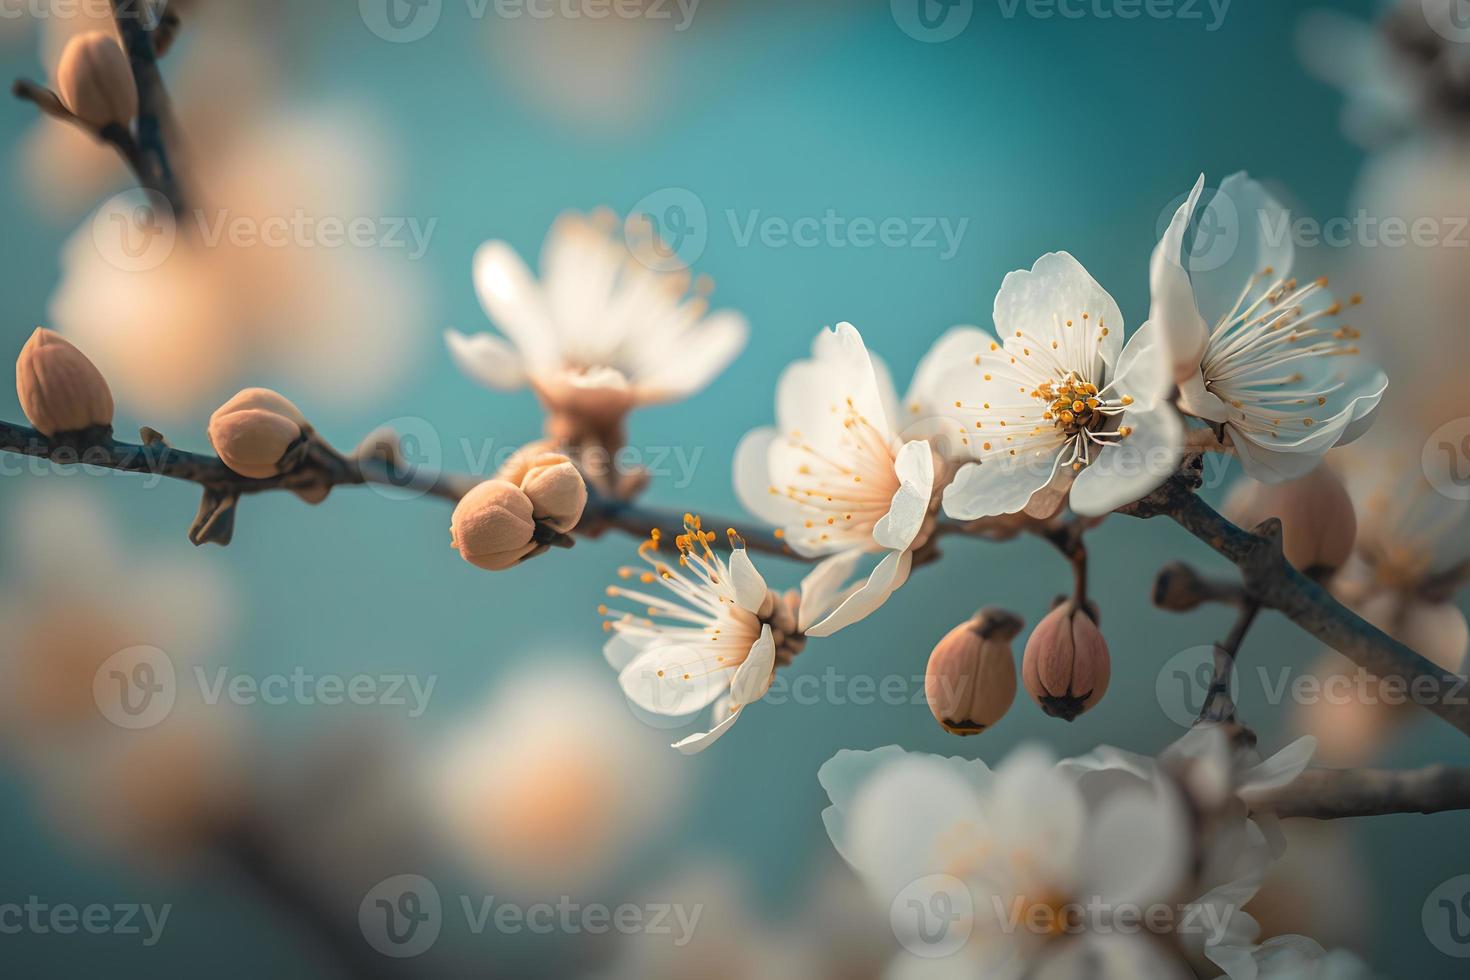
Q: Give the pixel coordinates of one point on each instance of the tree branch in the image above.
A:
(1331, 794)
(157, 131)
(1270, 580)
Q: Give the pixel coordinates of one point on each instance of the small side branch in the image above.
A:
(1270, 580)
(156, 129)
(1331, 794)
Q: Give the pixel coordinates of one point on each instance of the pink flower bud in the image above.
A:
(557, 491)
(971, 680)
(1318, 523)
(254, 431)
(1066, 666)
(493, 527)
(60, 390)
(95, 80)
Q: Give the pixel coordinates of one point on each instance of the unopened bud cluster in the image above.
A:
(258, 433)
(495, 525)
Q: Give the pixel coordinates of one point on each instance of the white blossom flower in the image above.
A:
(601, 333)
(1058, 401)
(710, 642)
(838, 478)
(1049, 870)
(1238, 838)
(1254, 350)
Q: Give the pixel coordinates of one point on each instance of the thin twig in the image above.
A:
(1272, 581)
(1219, 704)
(1331, 794)
(156, 129)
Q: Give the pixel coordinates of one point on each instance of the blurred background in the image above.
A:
(503, 761)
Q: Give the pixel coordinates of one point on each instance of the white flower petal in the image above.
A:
(753, 677)
(1134, 467)
(514, 301)
(1002, 485)
(676, 680)
(915, 468)
(891, 573)
(1173, 310)
(1058, 288)
(700, 741)
(704, 352)
(1139, 848)
(750, 587)
(1241, 232)
(621, 648)
(1278, 771)
(957, 346)
(487, 359)
(822, 586)
(751, 474)
(889, 840)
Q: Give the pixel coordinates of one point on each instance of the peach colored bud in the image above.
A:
(1066, 666)
(60, 390)
(268, 400)
(514, 470)
(971, 680)
(95, 80)
(492, 526)
(557, 491)
(253, 441)
(1318, 523)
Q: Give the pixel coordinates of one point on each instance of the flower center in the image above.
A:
(1083, 413)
